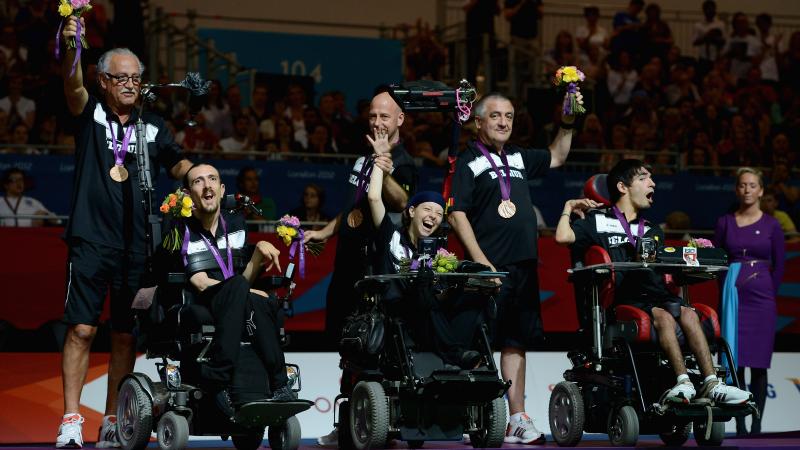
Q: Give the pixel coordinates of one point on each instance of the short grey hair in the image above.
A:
(480, 108)
(105, 59)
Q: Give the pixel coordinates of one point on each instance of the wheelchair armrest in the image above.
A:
(176, 278)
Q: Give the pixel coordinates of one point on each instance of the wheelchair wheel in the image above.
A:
(250, 441)
(715, 438)
(134, 415)
(494, 426)
(623, 427)
(677, 435)
(369, 416)
(566, 414)
(285, 436)
(172, 432)
(345, 441)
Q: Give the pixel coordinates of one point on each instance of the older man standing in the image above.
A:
(106, 230)
(493, 216)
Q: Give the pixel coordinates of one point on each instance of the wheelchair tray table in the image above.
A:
(683, 273)
(269, 413)
(477, 279)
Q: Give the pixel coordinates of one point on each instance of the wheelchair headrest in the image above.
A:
(595, 189)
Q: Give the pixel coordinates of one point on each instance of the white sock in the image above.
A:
(710, 378)
(683, 378)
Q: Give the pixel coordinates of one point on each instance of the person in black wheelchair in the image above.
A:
(211, 236)
(428, 314)
(617, 229)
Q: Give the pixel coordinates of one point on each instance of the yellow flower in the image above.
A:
(186, 202)
(65, 9)
(281, 230)
(571, 74)
(186, 212)
(287, 240)
(291, 232)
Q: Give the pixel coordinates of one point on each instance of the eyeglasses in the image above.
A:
(123, 79)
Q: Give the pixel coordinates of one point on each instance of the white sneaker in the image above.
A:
(107, 437)
(720, 392)
(521, 430)
(329, 440)
(684, 390)
(70, 432)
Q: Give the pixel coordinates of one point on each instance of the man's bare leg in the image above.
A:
(123, 357)
(512, 367)
(75, 364)
(690, 323)
(665, 325)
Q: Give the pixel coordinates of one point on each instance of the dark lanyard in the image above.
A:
(227, 270)
(627, 227)
(14, 208)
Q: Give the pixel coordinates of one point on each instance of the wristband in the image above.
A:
(567, 126)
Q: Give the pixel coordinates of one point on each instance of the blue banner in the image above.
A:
(703, 198)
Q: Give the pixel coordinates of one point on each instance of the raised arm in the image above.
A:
(559, 149)
(264, 252)
(76, 94)
(374, 195)
(564, 233)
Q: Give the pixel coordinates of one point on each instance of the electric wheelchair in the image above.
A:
(175, 328)
(400, 390)
(619, 374)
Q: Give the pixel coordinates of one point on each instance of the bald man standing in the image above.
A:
(355, 252)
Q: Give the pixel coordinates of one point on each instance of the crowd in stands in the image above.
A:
(730, 101)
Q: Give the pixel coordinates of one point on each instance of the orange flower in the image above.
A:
(164, 208)
(173, 201)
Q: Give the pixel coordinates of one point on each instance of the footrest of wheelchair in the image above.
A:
(451, 386)
(268, 413)
(720, 412)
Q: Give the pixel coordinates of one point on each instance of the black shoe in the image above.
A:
(284, 394)
(224, 403)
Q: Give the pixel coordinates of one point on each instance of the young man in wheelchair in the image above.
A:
(428, 315)
(617, 229)
(211, 238)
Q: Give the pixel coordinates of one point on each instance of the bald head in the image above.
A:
(385, 114)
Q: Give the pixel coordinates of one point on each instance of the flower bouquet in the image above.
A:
(292, 235)
(442, 262)
(178, 205)
(568, 77)
(700, 243)
(75, 8)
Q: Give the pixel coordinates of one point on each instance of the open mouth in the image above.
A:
(428, 225)
(208, 196)
(650, 196)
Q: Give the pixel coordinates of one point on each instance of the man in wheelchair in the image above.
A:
(213, 240)
(618, 229)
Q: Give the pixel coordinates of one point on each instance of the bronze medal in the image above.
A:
(506, 209)
(118, 173)
(355, 218)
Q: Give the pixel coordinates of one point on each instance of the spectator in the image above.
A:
(790, 62)
(780, 149)
(328, 117)
(198, 138)
(709, 37)
(46, 133)
(19, 108)
(425, 56)
(656, 33)
(34, 24)
(769, 204)
(702, 157)
(312, 207)
(591, 137)
(233, 100)
(480, 26)
(20, 138)
(284, 139)
(591, 35)
(627, 34)
(681, 87)
(524, 17)
(16, 55)
(742, 47)
(239, 142)
(621, 79)
(424, 155)
(310, 120)
(676, 226)
(248, 183)
(215, 111)
(562, 53)
(786, 194)
(16, 204)
(770, 48)
(650, 85)
(260, 114)
(296, 102)
(320, 142)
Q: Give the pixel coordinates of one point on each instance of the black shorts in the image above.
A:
(519, 323)
(93, 269)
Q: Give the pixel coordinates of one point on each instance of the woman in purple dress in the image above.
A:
(755, 240)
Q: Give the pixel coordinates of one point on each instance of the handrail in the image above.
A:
(264, 20)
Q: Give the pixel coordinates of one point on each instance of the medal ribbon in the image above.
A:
(627, 227)
(505, 184)
(363, 178)
(227, 270)
(119, 152)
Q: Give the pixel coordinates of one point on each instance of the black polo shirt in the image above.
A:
(200, 258)
(601, 227)
(104, 211)
(393, 245)
(476, 192)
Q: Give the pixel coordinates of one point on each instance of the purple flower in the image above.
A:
(77, 4)
(290, 221)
